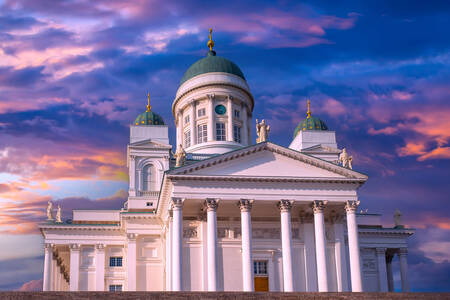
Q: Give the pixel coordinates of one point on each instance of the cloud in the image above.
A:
(32, 286)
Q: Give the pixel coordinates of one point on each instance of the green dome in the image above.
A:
(310, 123)
(149, 118)
(211, 63)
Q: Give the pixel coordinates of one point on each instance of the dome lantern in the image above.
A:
(148, 117)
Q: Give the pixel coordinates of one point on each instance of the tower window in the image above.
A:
(237, 113)
(115, 288)
(220, 132)
(187, 139)
(115, 261)
(186, 119)
(201, 112)
(148, 178)
(202, 133)
(237, 134)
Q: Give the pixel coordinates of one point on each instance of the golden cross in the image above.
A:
(210, 43)
(308, 113)
(148, 102)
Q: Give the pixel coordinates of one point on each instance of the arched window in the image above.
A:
(148, 178)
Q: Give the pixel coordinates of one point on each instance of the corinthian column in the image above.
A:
(211, 118)
(74, 267)
(353, 246)
(286, 244)
(246, 239)
(211, 206)
(382, 273)
(321, 246)
(402, 254)
(230, 119)
(100, 267)
(177, 244)
(47, 267)
(131, 262)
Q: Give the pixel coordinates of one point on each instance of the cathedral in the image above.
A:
(227, 211)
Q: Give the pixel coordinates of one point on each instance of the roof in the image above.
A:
(209, 64)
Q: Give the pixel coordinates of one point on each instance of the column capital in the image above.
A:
(131, 236)
(318, 206)
(229, 97)
(211, 204)
(74, 247)
(285, 205)
(351, 206)
(100, 247)
(48, 246)
(245, 204)
(402, 251)
(380, 251)
(176, 203)
(211, 96)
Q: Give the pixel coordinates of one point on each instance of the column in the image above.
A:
(177, 242)
(249, 132)
(286, 244)
(353, 246)
(244, 134)
(131, 261)
(230, 113)
(246, 239)
(53, 271)
(169, 254)
(132, 175)
(211, 206)
(310, 256)
(47, 267)
(99, 267)
(382, 273)
(340, 256)
(192, 124)
(74, 266)
(211, 118)
(321, 245)
(402, 254)
(179, 125)
(390, 276)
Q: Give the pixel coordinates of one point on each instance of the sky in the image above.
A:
(74, 75)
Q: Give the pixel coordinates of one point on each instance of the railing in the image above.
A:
(149, 193)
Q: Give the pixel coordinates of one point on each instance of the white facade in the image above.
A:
(237, 216)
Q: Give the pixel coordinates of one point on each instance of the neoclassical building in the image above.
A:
(234, 215)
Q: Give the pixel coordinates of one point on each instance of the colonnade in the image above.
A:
(55, 275)
(285, 207)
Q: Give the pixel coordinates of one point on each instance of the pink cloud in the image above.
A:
(32, 286)
(400, 95)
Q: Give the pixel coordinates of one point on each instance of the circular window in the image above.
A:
(220, 109)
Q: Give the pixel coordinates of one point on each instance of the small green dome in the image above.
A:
(212, 63)
(310, 123)
(149, 118)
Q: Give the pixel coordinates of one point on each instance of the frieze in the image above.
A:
(190, 232)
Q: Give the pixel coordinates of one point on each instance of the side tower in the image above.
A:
(213, 106)
(148, 157)
(312, 136)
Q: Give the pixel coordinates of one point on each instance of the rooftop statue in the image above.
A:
(345, 159)
(49, 211)
(397, 219)
(262, 131)
(58, 215)
(180, 156)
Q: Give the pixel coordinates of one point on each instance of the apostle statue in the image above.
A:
(49, 211)
(397, 219)
(262, 131)
(58, 215)
(345, 159)
(180, 156)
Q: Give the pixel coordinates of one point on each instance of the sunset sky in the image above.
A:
(74, 75)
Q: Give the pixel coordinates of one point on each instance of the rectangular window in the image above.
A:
(201, 112)
(237, 113)
(115, 288)
(237, 134)
(186, 119)
(220, 132)
(260, 267)
(187, 139)
(202, 133)
(115, 261)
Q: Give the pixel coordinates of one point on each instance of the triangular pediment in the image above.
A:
(321, 149)
(150, 144)
(267, 160)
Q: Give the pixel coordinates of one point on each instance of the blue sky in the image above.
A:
(74, 75)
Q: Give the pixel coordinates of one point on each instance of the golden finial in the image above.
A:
(210, 43)
(308, 113)
(148, 102)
